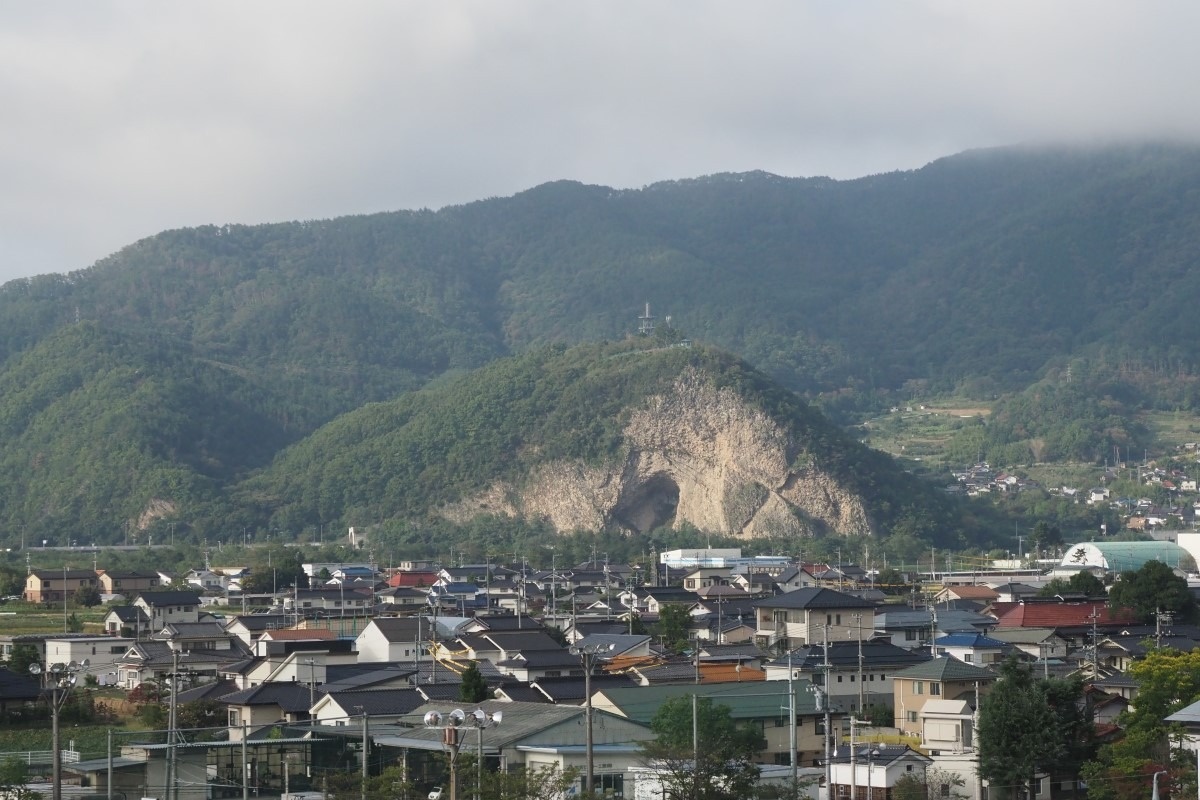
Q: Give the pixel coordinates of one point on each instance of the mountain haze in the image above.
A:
(153, 385)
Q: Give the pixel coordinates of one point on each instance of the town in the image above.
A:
(442, 681)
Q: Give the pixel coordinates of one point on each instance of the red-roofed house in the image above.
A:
(412, 579)
(1058, 615)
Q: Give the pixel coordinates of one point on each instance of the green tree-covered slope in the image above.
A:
(988, 272)
(405, 459)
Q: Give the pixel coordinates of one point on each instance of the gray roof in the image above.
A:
(814, 597)
(841, 654)
(381, 702)
(288, 696)
(946, 669)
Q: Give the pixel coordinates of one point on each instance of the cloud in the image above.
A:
(126, 118)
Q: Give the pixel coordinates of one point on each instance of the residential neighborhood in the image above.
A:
(849, 687)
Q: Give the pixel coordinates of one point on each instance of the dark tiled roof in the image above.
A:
(379, 701)
(208, 691)
(842, 654)
(293, 697)
(542, 659)
(813, 597)
(169, 598)
(573, 689)
(509, 622)
(521, 693)
(402, 629)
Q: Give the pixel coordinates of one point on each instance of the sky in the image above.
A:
(122, 119)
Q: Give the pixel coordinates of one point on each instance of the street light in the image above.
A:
(587, 654)
(59, 678)
(449, 725)
(480, 719)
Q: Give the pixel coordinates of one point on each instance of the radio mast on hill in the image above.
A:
(646, 322)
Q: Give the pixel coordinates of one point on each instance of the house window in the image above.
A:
(910, 635)
(918, 687)
(235, 717)
(908, 767)
(912, 716)
(839, 678)
(968, 657)
(935, 688)
(944, 790)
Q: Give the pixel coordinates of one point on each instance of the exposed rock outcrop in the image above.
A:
(695, 454)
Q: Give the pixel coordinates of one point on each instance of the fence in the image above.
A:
(42, 758)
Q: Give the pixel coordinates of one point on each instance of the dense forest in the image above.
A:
(162, 382)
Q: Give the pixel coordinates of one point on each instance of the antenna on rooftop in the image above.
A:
(646, 322)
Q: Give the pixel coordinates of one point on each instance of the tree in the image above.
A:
(718, 765)
(87, 596)
(1168, 680)
(23, 655)
(1017, 731)
(1152, 588)
(933, 785)
(673, 623)
(474, 688)
(14, 775)
(1082, 582)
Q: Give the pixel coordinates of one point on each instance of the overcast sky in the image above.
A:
(122, 119)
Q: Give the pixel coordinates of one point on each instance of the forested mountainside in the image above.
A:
(635, 435)
(190, 358)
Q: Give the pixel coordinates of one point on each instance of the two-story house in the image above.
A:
(52, 585)
(126, 582)
(811, 615)
(942, 678)
(163, 608)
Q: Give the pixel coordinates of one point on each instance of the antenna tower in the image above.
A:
(646, 322)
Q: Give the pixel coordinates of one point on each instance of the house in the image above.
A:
(103, 654)
(127, 583)
(534, 736)
(870, 771)
(53, 585)
(155, 660)
(128, 621)
(162, 608)
(978, 594)
(915, 628)
(972, 648)
(403, 597)
(383, 706)
(763, 705)
(249, 627)
(705, 577)
(394, 639)
(17, 690)
(340, 601)
(854, 683)
(942, 678)
(1037, 644)
(206, 580)
(266, 705)
(810, 615)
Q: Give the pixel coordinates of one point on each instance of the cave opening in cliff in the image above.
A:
(650, 505)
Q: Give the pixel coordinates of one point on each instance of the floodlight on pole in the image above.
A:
(59, 679)
(588, 654)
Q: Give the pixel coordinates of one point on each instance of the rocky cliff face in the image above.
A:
(695, 454)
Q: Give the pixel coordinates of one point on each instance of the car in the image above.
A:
(436, 794)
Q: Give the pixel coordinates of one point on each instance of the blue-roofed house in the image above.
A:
(972, 648)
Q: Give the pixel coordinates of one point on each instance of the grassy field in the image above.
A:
(1170, 429)
(920, 433)
(20, 617)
